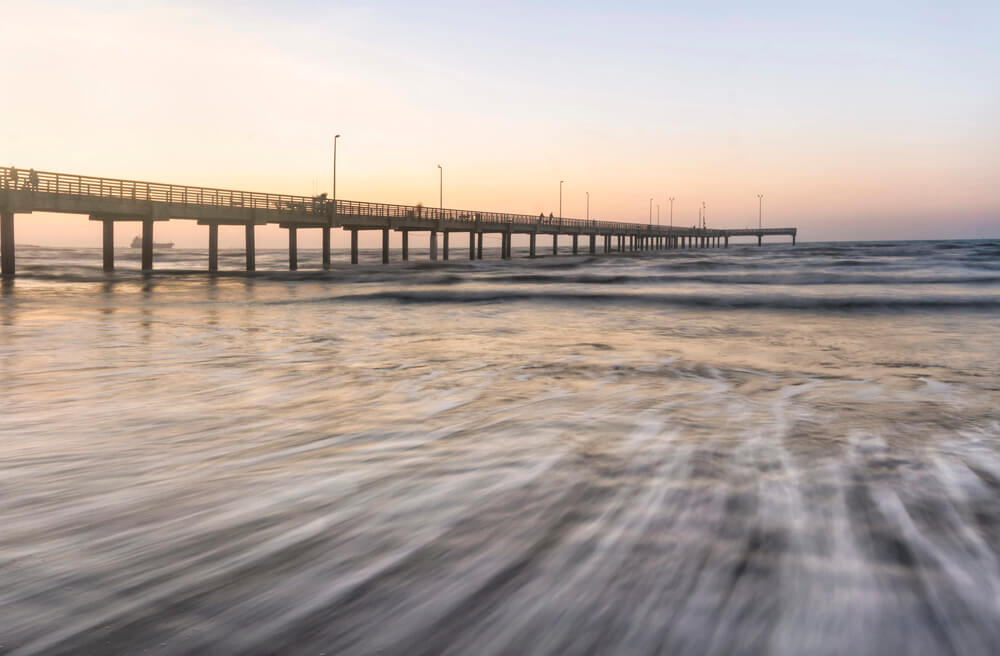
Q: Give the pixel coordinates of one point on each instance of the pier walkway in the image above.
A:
(111, 200)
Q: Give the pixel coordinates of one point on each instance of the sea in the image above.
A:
(777, 450)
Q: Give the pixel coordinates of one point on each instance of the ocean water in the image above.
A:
(744, 451)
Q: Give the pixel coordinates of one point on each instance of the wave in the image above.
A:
(704, 301)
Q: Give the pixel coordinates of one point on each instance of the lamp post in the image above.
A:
(588, 205)
(760, 211)
(560, 199)
(650, 211)
(671, 199)
(704, 214)
(440, 187)
(335, 137)
(657, 215)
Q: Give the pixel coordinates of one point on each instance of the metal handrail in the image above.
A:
(136, 190)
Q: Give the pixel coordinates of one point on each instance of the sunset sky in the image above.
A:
(861, 120)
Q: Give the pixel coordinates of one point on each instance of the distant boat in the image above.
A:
(137, 243)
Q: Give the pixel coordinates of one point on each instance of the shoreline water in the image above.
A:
(634, 454)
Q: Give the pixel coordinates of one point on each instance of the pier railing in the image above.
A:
(136, 190)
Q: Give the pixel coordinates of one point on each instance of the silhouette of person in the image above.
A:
(541, 217)
(550, 216)
(12, 178)
(32, 180)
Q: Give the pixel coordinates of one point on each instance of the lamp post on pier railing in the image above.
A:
(650, 211)
(704, 214)
(335, 137)
(760, 211)
(588, 205)
(657, 215)
(560, 200)
(671, 199)
(440, 187)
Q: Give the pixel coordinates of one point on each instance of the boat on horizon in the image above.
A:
(137, 243)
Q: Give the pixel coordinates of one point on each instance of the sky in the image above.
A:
(856, 120)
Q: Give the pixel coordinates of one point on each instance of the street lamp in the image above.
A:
(760, 211)
(440, 188)
(657, 215)
(588, 204)
(671, 199)
(704, 215)
(560, 198)
(335, 137)
(651, 211)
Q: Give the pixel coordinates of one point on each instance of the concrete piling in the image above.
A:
(354, 245)
(147, 244)
(250, 246)
(406, 245)
(385, 246)
(326, 248)
(293, 249)
(7, 243)
(109, 244)
(213, 246)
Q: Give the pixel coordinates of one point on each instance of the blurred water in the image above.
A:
(779, 450)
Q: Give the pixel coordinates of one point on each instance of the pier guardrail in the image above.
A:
(136, 190)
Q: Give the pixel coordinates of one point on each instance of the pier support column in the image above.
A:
(727, 241)
(385, 246)
(593, 244)
(472, 245)
(607, 243)
(109, 244)
(508, 237)
(293, 249)
(760, 240)
(7, 243)
(555, 244)
(251, 248)
(213, 246)
(479, 245)
(434, 244)
(531, 245)
(793, 239)
(354, 245)
(326, 248)
(576, 246)
(147, 244)
(444, 252)
(406, 245)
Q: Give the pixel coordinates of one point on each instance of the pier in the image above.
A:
(112, 200)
